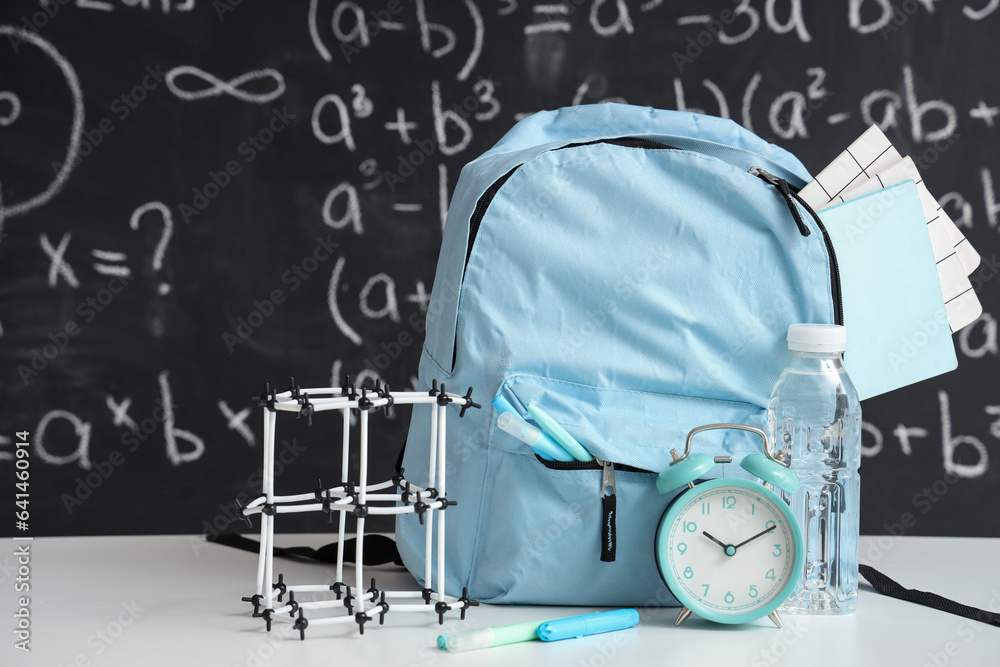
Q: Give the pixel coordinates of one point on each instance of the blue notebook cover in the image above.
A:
(897, 327)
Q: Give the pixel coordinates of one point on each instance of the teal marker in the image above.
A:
(559, 434)
(489, 637)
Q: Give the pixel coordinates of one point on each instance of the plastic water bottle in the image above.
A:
(814, 417)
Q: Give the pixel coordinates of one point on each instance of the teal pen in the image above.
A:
(559, 434)
(588, 624)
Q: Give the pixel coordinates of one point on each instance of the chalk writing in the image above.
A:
(233, 87)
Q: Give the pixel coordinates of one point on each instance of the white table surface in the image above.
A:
(174, 600)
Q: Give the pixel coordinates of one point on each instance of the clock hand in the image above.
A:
(763, 532)
(705, 533)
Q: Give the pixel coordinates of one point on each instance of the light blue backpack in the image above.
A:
(633, 272)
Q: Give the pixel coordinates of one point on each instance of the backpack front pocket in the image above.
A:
(546, 528)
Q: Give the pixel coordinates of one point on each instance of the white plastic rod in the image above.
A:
(442, 430)
(346, 506)
(260, 557)
(363, 475)
(326, 404)
(323, 604)
(263, 526)
(344, 463)
(337, 492)
(314, 507)
(428, 542)
(411, 608)
(327, 394)
(335, 391)
(329, 620)
(269, 453)
(266, 519)
(429, 516)
(359, 558)
(308, 588)
(345, 458)
(432, 456)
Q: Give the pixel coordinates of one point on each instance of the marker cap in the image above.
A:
(466, 641)
(539, 441)
(587, 624)
(489, 637)
(520, 429)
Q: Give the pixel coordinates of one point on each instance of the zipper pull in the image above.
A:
(607, 477)
(785, 190)
(608, 505)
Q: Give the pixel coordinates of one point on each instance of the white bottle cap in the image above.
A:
(817, 338)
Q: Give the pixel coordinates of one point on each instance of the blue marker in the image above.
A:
(503, 405)
(587, 624)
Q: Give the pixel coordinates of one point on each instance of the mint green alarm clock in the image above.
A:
(728, 549)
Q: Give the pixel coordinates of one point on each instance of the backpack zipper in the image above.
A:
(480, 212)
(609, 505)
(609, 497)
(791, 197)
(590, 465)
(626, 142)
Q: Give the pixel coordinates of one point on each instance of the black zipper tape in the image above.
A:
(625, 142)
(792, 197)
(480, 211)
(838, 297)
(589, 465)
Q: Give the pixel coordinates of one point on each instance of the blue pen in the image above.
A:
(587, 624)
(538, 440)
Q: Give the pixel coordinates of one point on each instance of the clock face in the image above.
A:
(729, 550)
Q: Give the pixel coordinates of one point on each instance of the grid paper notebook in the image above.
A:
(870, 164)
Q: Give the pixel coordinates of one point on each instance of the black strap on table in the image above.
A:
(886, 586)
(379, 549)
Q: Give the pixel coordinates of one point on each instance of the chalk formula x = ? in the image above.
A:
(233, 87)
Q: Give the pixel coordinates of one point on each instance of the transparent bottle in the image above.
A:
(814, 417)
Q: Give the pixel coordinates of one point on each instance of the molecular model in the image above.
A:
(396, 496)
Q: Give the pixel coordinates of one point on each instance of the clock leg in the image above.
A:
(681, 617)
(774, 617)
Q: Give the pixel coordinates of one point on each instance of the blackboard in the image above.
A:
(200, 196)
